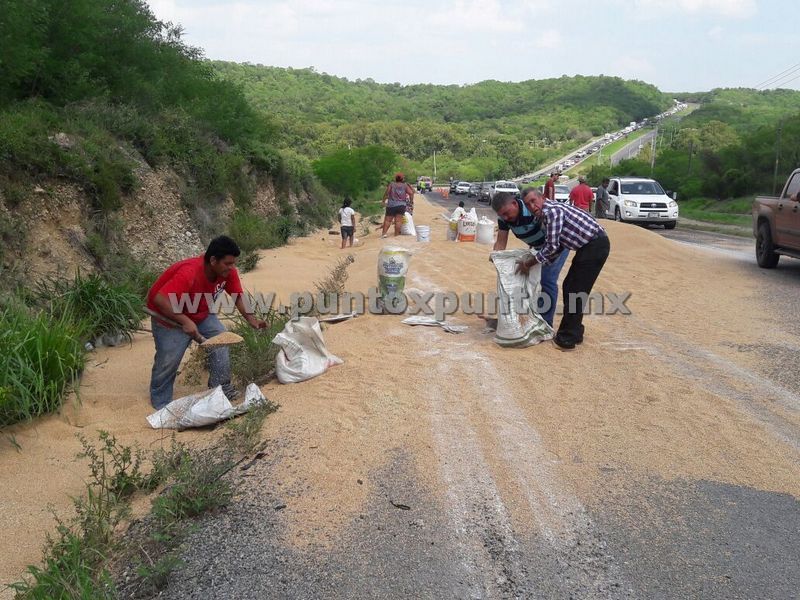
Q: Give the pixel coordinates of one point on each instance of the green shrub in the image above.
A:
(197, 487)
(70, 571)
(99, 307)
(254, 359)
(248, 261)
(252, 232)
(40, 359)
(124, 271)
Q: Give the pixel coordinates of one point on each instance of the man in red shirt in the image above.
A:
(183, 293)
(581, 195)
(550, 187)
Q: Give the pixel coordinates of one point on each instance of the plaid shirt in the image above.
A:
(565, 227)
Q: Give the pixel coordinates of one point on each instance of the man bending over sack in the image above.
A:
(514, 216)
(567, 227)
(190, 283)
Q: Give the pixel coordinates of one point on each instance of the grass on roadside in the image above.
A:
(726, 212)
(253, 232)
(253, 361)
(41, 358)
(87, 558)
(101, 308)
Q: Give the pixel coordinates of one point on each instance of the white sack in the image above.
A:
(407, 228)
(303, 353)
(527, 327)
(203, 408)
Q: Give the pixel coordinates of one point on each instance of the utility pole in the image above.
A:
(434, 164)
(653, 153)
(777, 158)
(691, 150)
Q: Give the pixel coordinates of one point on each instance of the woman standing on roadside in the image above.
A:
(398, 195)
(347, 220)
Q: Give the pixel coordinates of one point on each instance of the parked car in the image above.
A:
(424, 184)
(561, 192)
(485, 193)
(474, 189)
(453, 185)
(462, 187)
(505, 186)
(641, 200)
(776, 224)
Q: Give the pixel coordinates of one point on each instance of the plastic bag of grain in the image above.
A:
(518, 322)
(392, 268)
(407, 228)
(303, 352)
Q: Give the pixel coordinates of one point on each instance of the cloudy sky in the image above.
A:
(678, 45)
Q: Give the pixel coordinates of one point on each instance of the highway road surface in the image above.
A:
(659, 460)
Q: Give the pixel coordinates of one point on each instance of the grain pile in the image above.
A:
(223, 339)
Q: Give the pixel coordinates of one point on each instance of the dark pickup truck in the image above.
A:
(776, 224)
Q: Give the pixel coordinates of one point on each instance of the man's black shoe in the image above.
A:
(563, 346)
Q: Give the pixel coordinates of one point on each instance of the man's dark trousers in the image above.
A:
(586, 266)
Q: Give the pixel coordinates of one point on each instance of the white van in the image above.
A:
(640, 200)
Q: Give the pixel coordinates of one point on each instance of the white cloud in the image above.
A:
(715, 33)
(549, 39)
(736, 9)
(489, 16)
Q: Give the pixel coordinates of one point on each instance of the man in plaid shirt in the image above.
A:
(574, 229)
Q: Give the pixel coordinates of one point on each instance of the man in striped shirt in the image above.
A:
(513, 215)
(567, 227)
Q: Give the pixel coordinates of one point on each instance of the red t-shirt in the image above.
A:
(581, 196)
(187, 280)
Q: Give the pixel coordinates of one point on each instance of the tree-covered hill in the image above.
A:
(489, 129)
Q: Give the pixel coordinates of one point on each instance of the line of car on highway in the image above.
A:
(483, 191)
(631, 199)
(607, 138)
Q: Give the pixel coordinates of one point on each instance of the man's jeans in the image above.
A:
(171, 344)
(550, 275)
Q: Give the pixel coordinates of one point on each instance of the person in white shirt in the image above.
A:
(458, 212)
(347, 218)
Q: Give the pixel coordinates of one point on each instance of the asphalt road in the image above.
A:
(632, 149)
(644, 536)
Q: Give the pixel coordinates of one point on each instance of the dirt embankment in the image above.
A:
(52, 229)
(663, 392)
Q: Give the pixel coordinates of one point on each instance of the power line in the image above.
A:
(781, 83)
(777, 82)
(769, 79)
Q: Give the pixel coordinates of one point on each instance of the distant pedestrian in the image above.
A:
(347, 220)
(395, 199)
(581, 195)
(459, 211)
(602, 204)
(550, 186)
(567, 227)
